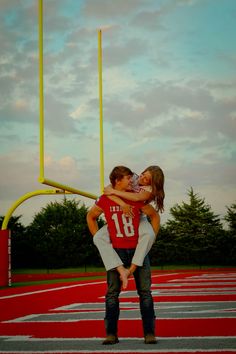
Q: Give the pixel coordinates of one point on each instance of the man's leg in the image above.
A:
(112, 307)
(143, 283)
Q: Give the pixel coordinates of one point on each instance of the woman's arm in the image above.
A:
(126, 208)
(154, 217)
(135, 197)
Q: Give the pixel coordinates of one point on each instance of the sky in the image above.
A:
(169, 97)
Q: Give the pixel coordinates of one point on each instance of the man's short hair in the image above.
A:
(118, 173)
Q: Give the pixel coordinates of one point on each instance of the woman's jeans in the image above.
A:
(111, 259)
(142, 277)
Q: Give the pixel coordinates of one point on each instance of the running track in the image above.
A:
(196, 313)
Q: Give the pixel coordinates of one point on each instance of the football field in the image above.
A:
(195, 313)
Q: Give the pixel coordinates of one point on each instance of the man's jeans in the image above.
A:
(142, 277)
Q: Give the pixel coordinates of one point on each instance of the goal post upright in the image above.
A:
(41, 92)
(5, 234)
(42, 179)
(100, 110)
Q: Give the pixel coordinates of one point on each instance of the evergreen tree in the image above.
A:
(194, 230)
(231, 218)
(163, 250)
(19, 244)
(59, 236)
(228, 242)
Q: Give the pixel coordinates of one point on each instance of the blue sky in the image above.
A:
(169, 96)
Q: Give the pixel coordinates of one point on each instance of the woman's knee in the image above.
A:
(101, 236)
(145, 228)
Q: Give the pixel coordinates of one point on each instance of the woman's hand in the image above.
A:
(108, 190)
(127, 210)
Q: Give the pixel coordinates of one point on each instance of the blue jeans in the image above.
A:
(142, 277)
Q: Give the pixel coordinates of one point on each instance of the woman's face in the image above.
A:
(145, 178)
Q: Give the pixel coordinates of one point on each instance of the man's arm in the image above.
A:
(92, 216)
(154, 217)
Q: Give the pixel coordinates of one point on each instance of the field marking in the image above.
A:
(34, 339)
(51, 289)
(126, 345)
(166, 311)
(67, 287)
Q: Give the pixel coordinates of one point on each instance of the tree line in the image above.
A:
(58, 237)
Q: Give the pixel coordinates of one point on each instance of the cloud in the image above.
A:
(67, 163)
(107, 9)
(20, 176)
(11, 113)
(123, 54)
(17, 173)
(178, 101)
(79, 112)
(168, 94)
(150, 20)
(20, 104)
(57, 117)
(116, 81)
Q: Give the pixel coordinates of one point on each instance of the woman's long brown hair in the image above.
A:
(157, 184)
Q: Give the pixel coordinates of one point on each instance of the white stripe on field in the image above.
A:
(48, 290)
(64, 287)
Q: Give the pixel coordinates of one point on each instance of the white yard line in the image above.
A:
(51, 289)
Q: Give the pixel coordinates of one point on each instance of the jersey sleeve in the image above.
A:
(99, 201)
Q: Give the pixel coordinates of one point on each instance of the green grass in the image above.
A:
(91, 269)
(102, 269)
(59, 271)
(56, 271)
(53, 281)
(189, 267)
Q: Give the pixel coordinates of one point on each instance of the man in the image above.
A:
(123, 233)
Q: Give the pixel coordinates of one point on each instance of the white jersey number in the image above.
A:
(127, 223)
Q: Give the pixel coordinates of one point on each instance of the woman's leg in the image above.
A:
(109, 256)
(145, 241)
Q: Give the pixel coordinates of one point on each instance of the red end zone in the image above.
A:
(191, 307)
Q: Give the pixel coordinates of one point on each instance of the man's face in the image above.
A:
(125, 183)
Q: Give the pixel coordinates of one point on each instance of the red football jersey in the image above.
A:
(123, 230)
